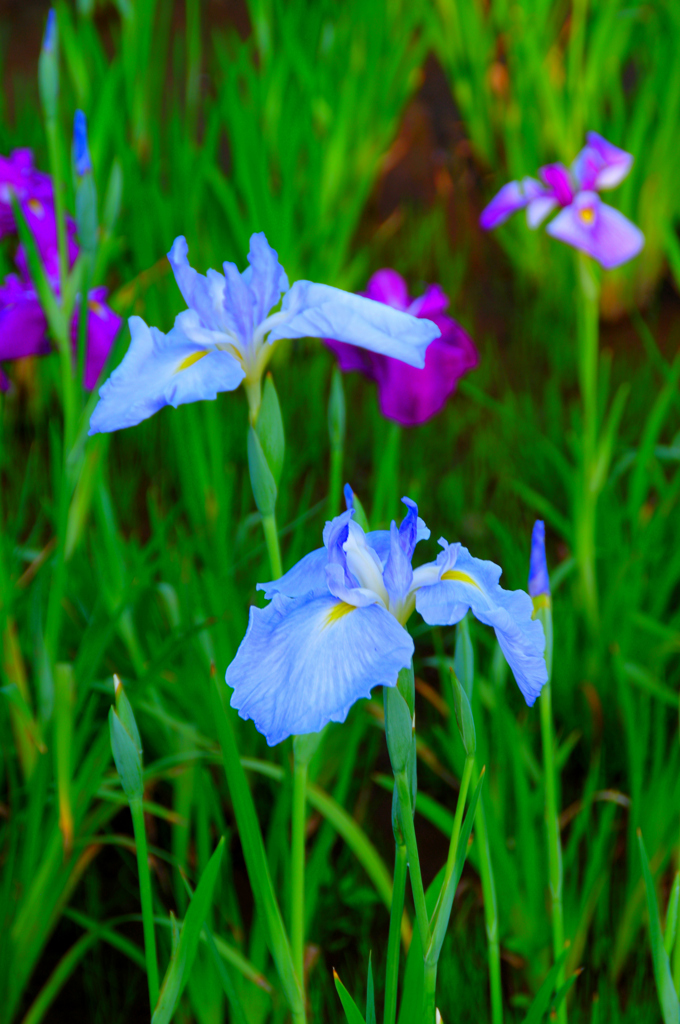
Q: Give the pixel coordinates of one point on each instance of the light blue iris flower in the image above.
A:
(227, 334)
(335, 624)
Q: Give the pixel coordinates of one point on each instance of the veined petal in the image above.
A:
(307, 577)
(303, 663)
(357, 597)
(238, 305)
(467, 582)
(265, 276)
(160, 369)
(318, 311)
(363, 562)
(506, 202)
(203, 294)
(598, 230)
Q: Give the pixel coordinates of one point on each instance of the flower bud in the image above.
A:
(464, 719)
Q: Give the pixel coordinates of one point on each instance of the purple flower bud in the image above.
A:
(539, 583)
(50, 31)
(81, 152)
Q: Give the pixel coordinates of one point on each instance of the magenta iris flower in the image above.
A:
(23, 325)
(407, 394)
(584, 221)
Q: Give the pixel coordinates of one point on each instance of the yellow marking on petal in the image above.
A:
(36, 207)
(462, 577)
(97, 308)
(338, 611)
(190, 360)
(587, 214)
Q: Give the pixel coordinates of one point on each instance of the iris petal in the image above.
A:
(598, 230)
(148, 378)
(318, 311)
(473, 584)
(301, 664)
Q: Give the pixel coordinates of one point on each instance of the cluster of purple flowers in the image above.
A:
(23, 326)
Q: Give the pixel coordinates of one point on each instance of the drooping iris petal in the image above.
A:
(539, 581)
(307, 577)
(601, 165)
(161, 369)
(538, 209)
(431, 304)
(506, 202)
(468, 582)
(598, 230)
(320, 311)
(412, 396)
(303, 663)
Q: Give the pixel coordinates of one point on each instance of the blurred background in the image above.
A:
(357, 136)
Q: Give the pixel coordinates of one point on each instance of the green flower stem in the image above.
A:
(393, 942)
(271, 536)
(457, 821)
(586, 499)
(297, 906)
(676, 960)
(554, 840)
(408, 828)
(490, 913)
(429, 987)
(54, 151)
(335, 482)
(147, 901)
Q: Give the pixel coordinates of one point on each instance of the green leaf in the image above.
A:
(183, 957)
(113, 197)
(352, 1012)
(261, 478)
(672, 916)
(370, 995)
(668, 1000)
(126, 714)
(541, 1003)
(269, 429)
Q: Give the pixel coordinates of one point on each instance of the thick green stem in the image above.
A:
(585, 507)
(490, 913)
(553, 830)
(458, 821)
(393, 942)
(54, 151)
(408, 828)
(297, 888)
(271, 536)
(676, 960)
(429, 989)
(146, 900)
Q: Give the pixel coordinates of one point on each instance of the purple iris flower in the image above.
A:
(32, 188)
(23, 326)
(227, 334)
(407, 394)
(584, 221)
(335, 624)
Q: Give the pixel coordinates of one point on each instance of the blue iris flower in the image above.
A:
(335, 624)
(81, 152)
(227, 334)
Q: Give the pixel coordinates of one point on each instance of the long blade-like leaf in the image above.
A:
(670, 1007)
